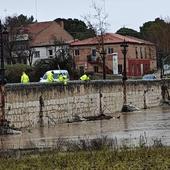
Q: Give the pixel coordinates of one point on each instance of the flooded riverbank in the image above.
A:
(131, 128)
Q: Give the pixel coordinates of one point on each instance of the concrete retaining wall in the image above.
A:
(48, 104)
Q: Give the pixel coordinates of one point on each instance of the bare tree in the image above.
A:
(10, 46)
(30, 54)
(18, 45)
(61, 49)
(63, 55)
(98, 22)
(20, 48)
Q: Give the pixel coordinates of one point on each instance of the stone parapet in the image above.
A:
(44, 104)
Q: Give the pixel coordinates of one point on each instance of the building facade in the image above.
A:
(46, 38)
(42, 41)
(140, 57)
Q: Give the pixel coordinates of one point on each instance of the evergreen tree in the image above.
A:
(129, 32)
(77, 28)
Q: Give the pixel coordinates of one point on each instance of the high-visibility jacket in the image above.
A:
(25, 78)
(50, 77)
(84, 77)
(63, 79)
(60, 78)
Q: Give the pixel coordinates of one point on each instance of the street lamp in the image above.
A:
(3, 39)
(103, 55)
(124, 46)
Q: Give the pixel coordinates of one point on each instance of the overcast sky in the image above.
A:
(128, 13)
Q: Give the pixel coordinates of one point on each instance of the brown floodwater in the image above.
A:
(131, 128)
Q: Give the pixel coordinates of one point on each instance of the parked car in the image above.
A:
(149, 77)
(56, 75)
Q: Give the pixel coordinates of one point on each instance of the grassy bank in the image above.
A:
(122, 159)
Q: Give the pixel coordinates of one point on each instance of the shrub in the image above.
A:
(13, 72)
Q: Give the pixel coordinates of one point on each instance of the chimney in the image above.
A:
(61, 23)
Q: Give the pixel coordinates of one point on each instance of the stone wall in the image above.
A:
(46, 104)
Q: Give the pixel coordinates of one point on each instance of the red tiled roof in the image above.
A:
(44, 33)
(141, 40)
(111, 38)
(37, 27)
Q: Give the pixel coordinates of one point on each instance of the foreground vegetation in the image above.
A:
(122, 159)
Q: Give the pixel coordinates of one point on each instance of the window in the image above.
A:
(141, 54)
(110, 50)
(96, 69)
(37, 54)
(132, 69)
(145, 53)
(136, 51)
(93, 52)
(76, 52)
(81, 68)
(50, 52)
(150, 53)
(93, 55)
(120, 68)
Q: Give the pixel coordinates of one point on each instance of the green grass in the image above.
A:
(146, 158)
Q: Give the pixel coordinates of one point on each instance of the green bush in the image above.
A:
(43, 65)
(13, 72)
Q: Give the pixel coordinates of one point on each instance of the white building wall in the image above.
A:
(44, 54)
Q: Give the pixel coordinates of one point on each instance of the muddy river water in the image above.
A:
(131, 128)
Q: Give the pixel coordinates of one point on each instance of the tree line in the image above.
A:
(157, 32)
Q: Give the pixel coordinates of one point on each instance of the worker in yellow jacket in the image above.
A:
(85, 77)
(25, 78)
(62, 79)
(50, 76)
